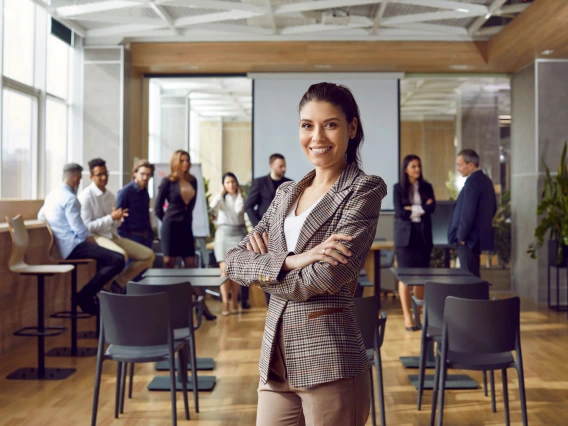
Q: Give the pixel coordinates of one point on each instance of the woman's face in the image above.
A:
(230, 185)
(325, 133)
(184, 163)
(414, 169)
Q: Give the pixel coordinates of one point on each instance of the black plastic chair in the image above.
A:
(181, 311)
(373, 331)
(480, 335)
(435, 295)
(138, 329)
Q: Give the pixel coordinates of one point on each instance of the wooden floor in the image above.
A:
(234, 342)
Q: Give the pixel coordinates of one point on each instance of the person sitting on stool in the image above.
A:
(62, 210)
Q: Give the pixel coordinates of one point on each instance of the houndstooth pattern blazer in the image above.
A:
(322, 342)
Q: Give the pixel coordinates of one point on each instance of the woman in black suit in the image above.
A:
(179, 189)
(414, 204)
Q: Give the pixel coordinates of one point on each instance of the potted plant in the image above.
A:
(554, 210)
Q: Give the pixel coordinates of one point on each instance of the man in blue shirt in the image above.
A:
(62, 210)
(136, 199)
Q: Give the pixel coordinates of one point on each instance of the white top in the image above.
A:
(417, 209)
(293, 224)
(230, 209)
(96, 207)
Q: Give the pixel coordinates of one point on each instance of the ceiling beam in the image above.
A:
(424, 17)
(320, 5)
(354, 22)
(270, 14)
(214, 4)
(490, 31)
(512, 9)
(101, 6)
(122, 30)
(379, 16)
(478, 23)
(477, 9)
(115, 19)
(215, 17)
(434, 28)
(232, 28)
(164, 16)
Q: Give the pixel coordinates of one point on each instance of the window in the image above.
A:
(57, 67)
(55, 142)
(19, 40)
(19, 136)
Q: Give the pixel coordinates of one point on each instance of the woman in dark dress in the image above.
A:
(179, 189)
(414, 204)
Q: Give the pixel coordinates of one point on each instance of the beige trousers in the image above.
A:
(141, 256)
(344, 402)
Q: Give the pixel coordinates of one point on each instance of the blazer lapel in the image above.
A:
(327, 205)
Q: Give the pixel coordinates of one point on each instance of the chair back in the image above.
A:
(135, 320)
(20, 241)
(370, 325)
(435, 295)
(179, 294)
(482, 326)
(52, 250)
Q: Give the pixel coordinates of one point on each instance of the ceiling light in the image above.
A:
(488, 16)
(322, 66)
(459, 67)
(189, 67)
(463, 10)
(547, 52)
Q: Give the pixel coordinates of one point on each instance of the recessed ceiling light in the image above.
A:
(189, 67)
(322, 66)
(459, 67)
(547, 52)
(463, 10)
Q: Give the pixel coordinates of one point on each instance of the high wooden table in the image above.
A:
(182, 272)
(419, 277)
(204, 383)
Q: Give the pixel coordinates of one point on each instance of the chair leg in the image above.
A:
(506, 396)
(421, 368)
(522, 394)
(173, 387)
(443, 375)
(380, 387)
(493, 403)
(131, 380)
(435, 391)
(484, 383)
(182, 360)
(97, 390)
(117, 395)
(123, 386)
(190, 354)
(373, 412)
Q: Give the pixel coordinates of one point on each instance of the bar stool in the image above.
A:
(17, 264)
(73, 315)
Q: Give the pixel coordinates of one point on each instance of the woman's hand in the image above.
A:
(429, 201)
(409, 208)
(331, 251)
(258, 243)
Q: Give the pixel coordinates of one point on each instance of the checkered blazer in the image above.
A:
(322, 341)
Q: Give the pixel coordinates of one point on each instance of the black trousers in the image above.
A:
(109, 264)
(469, 258)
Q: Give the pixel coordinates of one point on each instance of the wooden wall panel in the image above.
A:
(27, 208)
(433, 142)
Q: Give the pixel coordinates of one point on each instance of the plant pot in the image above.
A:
(553, 255)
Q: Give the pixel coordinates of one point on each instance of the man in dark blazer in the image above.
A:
(471, 226)
(261, 194)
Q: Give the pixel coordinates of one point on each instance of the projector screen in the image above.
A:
(276, 122)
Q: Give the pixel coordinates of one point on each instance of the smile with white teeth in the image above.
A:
(320, 150)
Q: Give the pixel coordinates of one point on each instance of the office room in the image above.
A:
(369, 201)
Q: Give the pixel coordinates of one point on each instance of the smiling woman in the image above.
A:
(307, 251)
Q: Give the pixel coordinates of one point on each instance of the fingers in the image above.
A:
(260, 242)
(254, 244)
(339, 257)
(339, 237)
(265, 239)
(328, 259)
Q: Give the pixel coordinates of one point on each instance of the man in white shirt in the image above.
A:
(99, 213)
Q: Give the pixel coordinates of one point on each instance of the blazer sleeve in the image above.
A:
(359, 219)
(429, 193)
(253, 200)
(470, 200)
(399, 211)
(161, 198)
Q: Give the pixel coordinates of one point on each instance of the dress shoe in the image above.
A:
(245, 305)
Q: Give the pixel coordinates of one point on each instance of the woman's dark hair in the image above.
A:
(226, 175)
(404, 181)
(341, 97)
